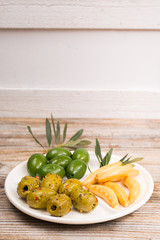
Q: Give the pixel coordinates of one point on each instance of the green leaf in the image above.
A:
(89, 169)
(72, 143)
(64, 132)
(107, 158)
(84, 143)
(122, 159)
(58, 132)
(76, 135)
(103, 163)
(77, 143)
(36, 140)
(54, 129)
(48, 132)
(98, 153)
(132, 161)
(98, 149)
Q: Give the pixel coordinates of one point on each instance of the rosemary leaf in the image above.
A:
(76, 135)
(36, 140)
(58, 132)
(48, 132)
(64, 132)
(107, 158)
(54, 129)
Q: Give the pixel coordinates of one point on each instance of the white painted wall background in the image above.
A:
(88, 58)
(80, 59)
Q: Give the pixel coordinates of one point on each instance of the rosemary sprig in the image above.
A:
(60, 141)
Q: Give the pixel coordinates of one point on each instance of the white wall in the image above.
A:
(76, 59)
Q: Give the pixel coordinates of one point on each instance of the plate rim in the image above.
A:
(81, 221)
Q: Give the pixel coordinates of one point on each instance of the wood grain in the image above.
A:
(136, 137)
(84, 14)
(79, 104)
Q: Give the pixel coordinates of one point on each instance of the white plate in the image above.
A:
(101, 213)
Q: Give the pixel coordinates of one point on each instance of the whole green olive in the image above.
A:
(76, 169)
(58, 151)
(51, 168)
(61, 160)
(35, 162)
(82, 154)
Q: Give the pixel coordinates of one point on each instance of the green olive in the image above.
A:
(35, 162)
(69, 185)
(62, 160)
(59, 205)
(58, 152)
(83, 200)
(39, 197)
(76, 169)
(51, 168)
(52, 181)
(26, 185)
(82, 154)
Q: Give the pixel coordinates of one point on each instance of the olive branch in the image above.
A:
(54, 136)
(106, 159)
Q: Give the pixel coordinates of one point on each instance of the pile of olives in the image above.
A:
(60, 161)
(55, 196)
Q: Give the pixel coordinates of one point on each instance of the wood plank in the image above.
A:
(79, 104)
(142, 224)
(62, 14)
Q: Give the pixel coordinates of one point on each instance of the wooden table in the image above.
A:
(136, 137)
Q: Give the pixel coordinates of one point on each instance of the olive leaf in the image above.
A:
(36, 140)
(72, 143)
(77, 143)
(102, 160)
(107, 158)
(132, 161)
(122, 159)
(64, 132)
(84, 143)
(58, 132)
(59, 141)
(48, 132)
(89, 169)
(98, 152)
(76, 135)
(54, 129)
(105, 161)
